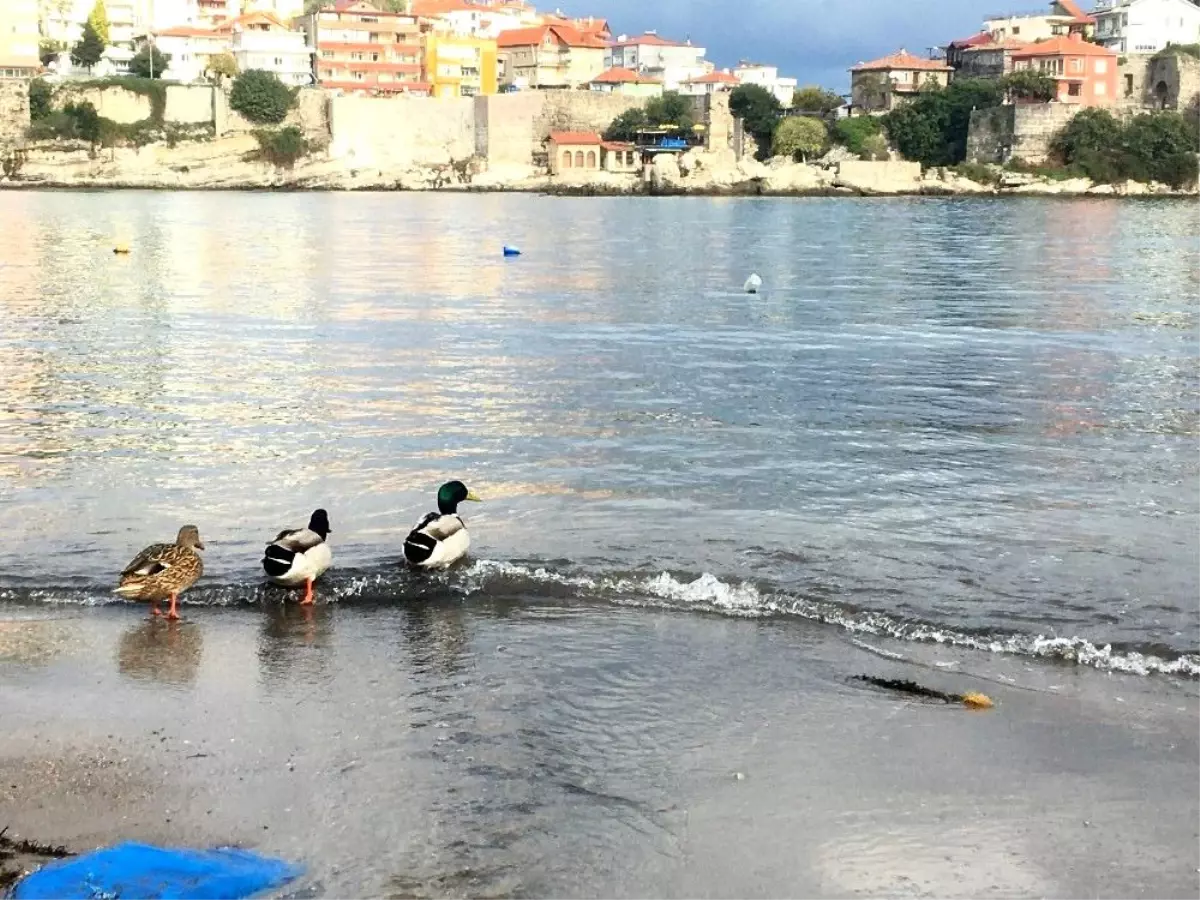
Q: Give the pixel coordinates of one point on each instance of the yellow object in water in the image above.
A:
(977, 701)
(121, 248)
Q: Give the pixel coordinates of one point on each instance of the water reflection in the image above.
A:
(295, 644)
(436, 637)
(167, 652)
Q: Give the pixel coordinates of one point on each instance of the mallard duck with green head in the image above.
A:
(164, 571)
(441, 538)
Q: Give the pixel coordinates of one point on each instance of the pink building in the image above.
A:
(1086, 73)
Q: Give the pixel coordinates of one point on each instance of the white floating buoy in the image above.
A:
(753, 283)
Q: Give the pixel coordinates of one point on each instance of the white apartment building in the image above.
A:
(1145, 26)
(767, 77)
(671, 62)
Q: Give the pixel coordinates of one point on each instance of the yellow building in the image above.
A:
(460, 66)
(19, 39)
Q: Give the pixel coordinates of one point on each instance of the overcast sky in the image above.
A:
(814, 40)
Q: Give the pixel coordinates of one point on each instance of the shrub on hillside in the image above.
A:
(40, 99)
(759, 111)
(282, 147)
(855, 133)
(932, 128)
(1158, 146)
(800, 137)
(261, 97)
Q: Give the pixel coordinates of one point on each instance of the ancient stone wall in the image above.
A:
(1022, 131)
(14, 113)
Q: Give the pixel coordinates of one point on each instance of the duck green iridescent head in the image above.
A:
(451, 494)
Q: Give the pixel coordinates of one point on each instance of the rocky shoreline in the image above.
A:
(231, 163)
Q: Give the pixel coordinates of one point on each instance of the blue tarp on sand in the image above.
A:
(132, 871)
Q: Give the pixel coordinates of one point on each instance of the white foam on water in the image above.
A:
(711, 594)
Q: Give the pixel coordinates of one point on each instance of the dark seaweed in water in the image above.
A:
(909, 687)
(11, 868)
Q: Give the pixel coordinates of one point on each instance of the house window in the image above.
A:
(1128, 85)
(579, 159)
(1016, 30)
(1077, 65)
(279, 60)
(1073, 89)
(1101, 88)
(591, 159)
(1101, 66)
(566, 159)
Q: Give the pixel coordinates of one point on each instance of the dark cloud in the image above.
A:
(814, 40)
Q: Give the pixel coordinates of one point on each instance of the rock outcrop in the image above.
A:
(233, 162)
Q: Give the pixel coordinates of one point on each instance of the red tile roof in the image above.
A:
(715, 78)
(1070, 45)
(648, 40)
(618, 75)
(974, 40)
(617, 145)
(440, 7)
(1078, 16)
(901, 60)
(191, 31)
(575, 137)
(1006, 44)
(525, 37)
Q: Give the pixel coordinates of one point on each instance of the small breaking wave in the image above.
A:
(703, 593)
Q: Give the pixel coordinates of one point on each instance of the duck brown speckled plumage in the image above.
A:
(163, 571)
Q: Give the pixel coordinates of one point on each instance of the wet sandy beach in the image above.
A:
(501, 748)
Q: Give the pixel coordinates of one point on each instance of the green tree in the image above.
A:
(85, 121)
(281, 147)
(261, 97)
(98, 19)
(759, 111)
(40, 99)
(671, 109)
(223, 65)
(800, 137)
(1030, 84)
(1090, 135)
(149, 62)
(932, 128)
(813, 99)
(626, 126)
(90, 48)
(856, 131)
(1155, 147)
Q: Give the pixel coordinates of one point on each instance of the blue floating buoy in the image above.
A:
(511, 251)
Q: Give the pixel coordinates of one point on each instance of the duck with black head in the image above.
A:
(300, 555)
(440, 538)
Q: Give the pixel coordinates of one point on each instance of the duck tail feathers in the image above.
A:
(418, 547)
(277, 561)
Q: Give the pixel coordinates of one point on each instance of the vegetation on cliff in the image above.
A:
(671, 110)
(1157, 146)
(282, 147)
(760, 113)
(800, 137)
(149, 62)
(261, 97)
(932, 128)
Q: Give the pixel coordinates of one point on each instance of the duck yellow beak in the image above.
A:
(471, 495)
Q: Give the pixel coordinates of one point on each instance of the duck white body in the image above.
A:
(299, 556)
(440, 539)
(307, 565)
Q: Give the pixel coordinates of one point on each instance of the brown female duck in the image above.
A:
(163, 571)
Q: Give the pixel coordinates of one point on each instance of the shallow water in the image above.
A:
(971, 421)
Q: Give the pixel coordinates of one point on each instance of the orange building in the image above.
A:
(363, 49)
(1086, 73)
